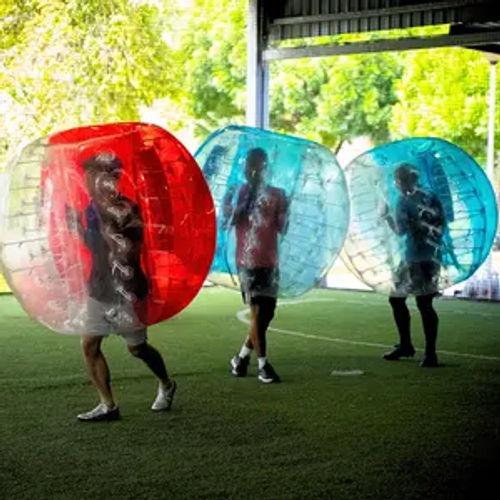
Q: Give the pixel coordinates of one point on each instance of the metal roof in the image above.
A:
(472, 23)
(273, 23)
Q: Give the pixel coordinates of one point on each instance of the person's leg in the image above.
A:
(98, 371)
(402, 319)
(97, 368)
(262, 314)
(239, 363)
(138, 346)
(153, 360)
(255, 337)
(430, 323)
(256, 285)
(247, 348)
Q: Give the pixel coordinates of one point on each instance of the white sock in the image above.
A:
(245, 351)
(262, 361)
(110, 405)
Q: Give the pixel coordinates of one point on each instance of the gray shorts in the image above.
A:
(105, 318)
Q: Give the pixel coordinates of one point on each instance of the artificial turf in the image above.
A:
(396, 432)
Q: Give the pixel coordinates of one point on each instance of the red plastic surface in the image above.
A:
(176, 207)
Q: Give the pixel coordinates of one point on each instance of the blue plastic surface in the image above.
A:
(316, 192)
(373, 249)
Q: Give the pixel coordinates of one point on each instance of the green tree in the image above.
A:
(295, 89)
(336, 99)
(64, 63)
(444, 93)
(211, 62)
(329, 100)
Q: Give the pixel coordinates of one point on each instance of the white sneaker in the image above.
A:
(165, 397)
(99, 413)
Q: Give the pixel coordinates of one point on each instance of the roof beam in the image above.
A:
(468, 39)
(358, 14)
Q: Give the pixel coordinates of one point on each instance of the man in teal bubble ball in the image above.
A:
(259, 217)
(420, 218)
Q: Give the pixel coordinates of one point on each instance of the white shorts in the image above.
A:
(105, 318)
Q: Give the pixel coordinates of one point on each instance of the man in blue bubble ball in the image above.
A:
(421, 220)
(259, 217)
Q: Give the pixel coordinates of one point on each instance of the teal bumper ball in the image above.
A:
(423, 216)
(282, 209)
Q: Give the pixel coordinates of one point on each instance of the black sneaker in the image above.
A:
(429, 361)
(267, 375)
(239, 366)
(400, 352)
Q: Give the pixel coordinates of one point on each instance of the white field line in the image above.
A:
(242, 316)
(364, 298)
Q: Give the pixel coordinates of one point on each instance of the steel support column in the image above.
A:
(257, 113)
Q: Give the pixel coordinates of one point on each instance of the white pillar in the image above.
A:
(490, 163)
(257, 113)
(490, 156)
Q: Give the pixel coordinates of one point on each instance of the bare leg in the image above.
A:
(260, 318)
(153, 360)
(255, 337)
(97, 368)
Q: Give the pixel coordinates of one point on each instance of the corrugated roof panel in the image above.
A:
(315, 27)
(373, 23)
(436, 17)
(385, 22)
(303, 18)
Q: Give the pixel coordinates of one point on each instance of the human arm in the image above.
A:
(87, 233)
(74, 220)
(398, 225)
(227, 208)
(283, 213)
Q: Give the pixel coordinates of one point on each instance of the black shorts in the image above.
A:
(258, 282)
(417, 278)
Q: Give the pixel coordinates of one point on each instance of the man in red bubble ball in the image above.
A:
(259, 216)
(117, 286)
(421, 220)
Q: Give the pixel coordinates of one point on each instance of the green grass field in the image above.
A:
(396, 432)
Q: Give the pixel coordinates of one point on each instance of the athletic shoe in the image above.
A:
(239, 366)
(429, 361)
(267, 375)
(400, 352)
(100, 413)
(165, 397)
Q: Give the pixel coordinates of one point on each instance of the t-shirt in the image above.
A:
(259, 217)
(116, 273)
(420, 217)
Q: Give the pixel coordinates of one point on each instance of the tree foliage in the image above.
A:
(444, 93)
(71, 62)
(337, 99)
(211, 62)
(329, 100)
